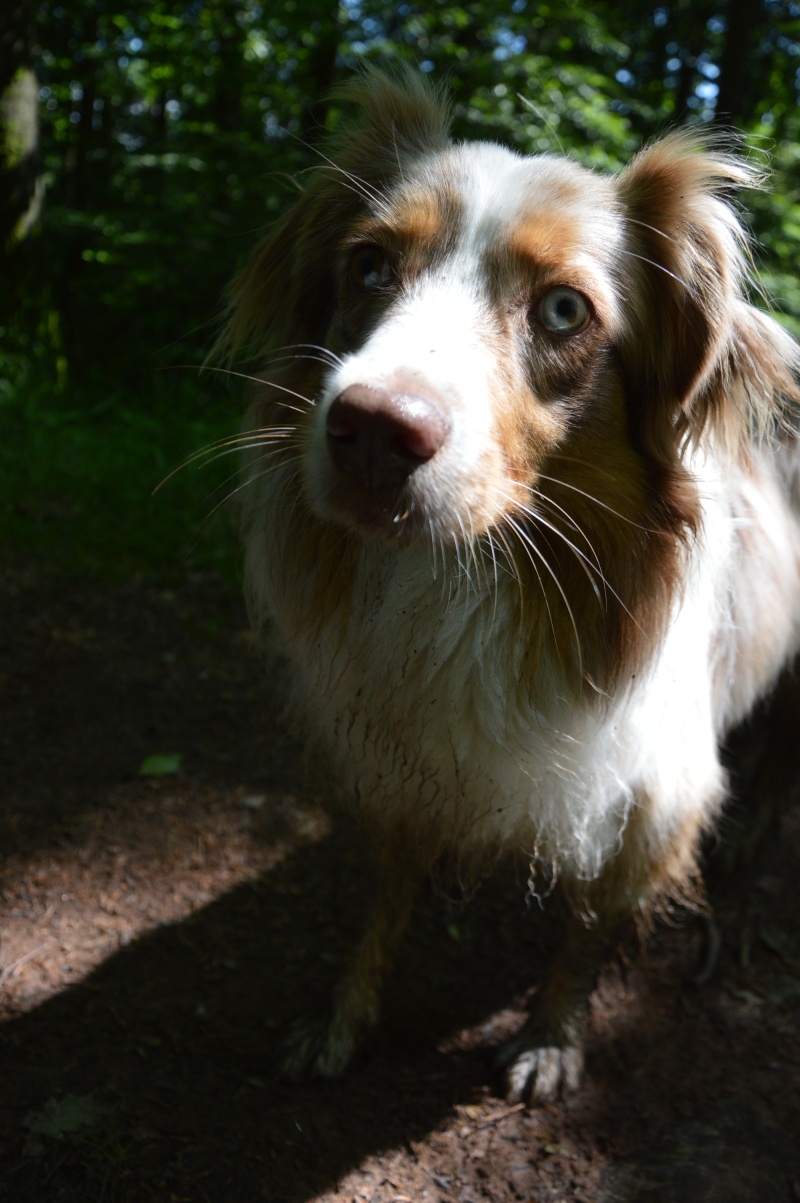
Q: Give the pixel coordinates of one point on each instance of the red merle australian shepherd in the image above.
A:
(523, 506)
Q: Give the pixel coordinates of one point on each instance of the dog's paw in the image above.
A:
(316, 1046)
(536, 1071)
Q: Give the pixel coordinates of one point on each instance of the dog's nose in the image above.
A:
(380, 437)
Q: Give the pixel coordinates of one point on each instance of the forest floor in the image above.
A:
(158, 933)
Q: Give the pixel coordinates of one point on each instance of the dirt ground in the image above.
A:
(158, 932)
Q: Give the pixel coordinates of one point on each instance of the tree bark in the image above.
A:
(320, 69)
(21, 186)
(734, 97)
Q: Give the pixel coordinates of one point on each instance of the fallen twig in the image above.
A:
(496, 1119)
(11, 969)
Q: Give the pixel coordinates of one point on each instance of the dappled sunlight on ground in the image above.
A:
(159, 933)
(153, 854)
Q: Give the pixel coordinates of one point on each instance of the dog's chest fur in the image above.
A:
(435, 713)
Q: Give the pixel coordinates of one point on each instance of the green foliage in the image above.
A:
(160, 764)
(170, 131)
(777, 217)
(79, 470)
(170, 136)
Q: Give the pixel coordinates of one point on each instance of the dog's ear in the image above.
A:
(396, 116)
(282, 296)
(285, 293)
(694, 349)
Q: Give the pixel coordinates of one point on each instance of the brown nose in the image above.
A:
(380, 437)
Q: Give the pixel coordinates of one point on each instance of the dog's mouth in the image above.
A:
(389, 514)
(396, 520)
(379, 445)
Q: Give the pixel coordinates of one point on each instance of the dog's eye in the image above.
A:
(562, 310)
(369, 267)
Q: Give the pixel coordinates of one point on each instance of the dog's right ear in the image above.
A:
(285, 294)
(397, 117)
(282, 296)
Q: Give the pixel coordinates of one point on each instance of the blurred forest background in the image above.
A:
(144, 146)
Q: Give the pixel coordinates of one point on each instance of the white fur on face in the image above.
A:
(455, 335)
(448, 330)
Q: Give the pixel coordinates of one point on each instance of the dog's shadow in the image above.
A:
(168, 1046)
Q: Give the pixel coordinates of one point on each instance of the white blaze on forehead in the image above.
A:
(500, 190)
(438, 333)
(434, 339)
(566, 218)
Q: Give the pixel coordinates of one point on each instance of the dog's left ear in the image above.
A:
(285, 292)
(684, 265)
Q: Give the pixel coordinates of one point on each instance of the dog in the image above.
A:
(521, 500)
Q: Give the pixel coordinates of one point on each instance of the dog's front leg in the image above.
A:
(322, 1045)
(546, 1058)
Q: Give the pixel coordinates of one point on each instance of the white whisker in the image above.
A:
(253, 479)
(278, 453)
(496, 590)
(603, 505)
(246, 441)
(659, 267)
(529, 549)
(590, 567)
(646, 226)
(572, 523)
(357, 185)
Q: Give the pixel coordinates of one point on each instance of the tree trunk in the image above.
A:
(21, 186)
(320, 69)
(733, 100)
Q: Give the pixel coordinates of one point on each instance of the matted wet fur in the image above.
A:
(522, 504)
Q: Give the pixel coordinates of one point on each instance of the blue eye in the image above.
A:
(369, 267)
(562, 310)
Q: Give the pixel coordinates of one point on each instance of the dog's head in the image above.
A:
(515, 349)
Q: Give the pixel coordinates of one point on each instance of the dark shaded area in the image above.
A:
(20, 166)
(150, 1077)
(696, 1160)
(170, 133)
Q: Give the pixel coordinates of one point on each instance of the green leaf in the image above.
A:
(160, 765)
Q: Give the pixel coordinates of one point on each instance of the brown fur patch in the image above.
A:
(546, 240)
